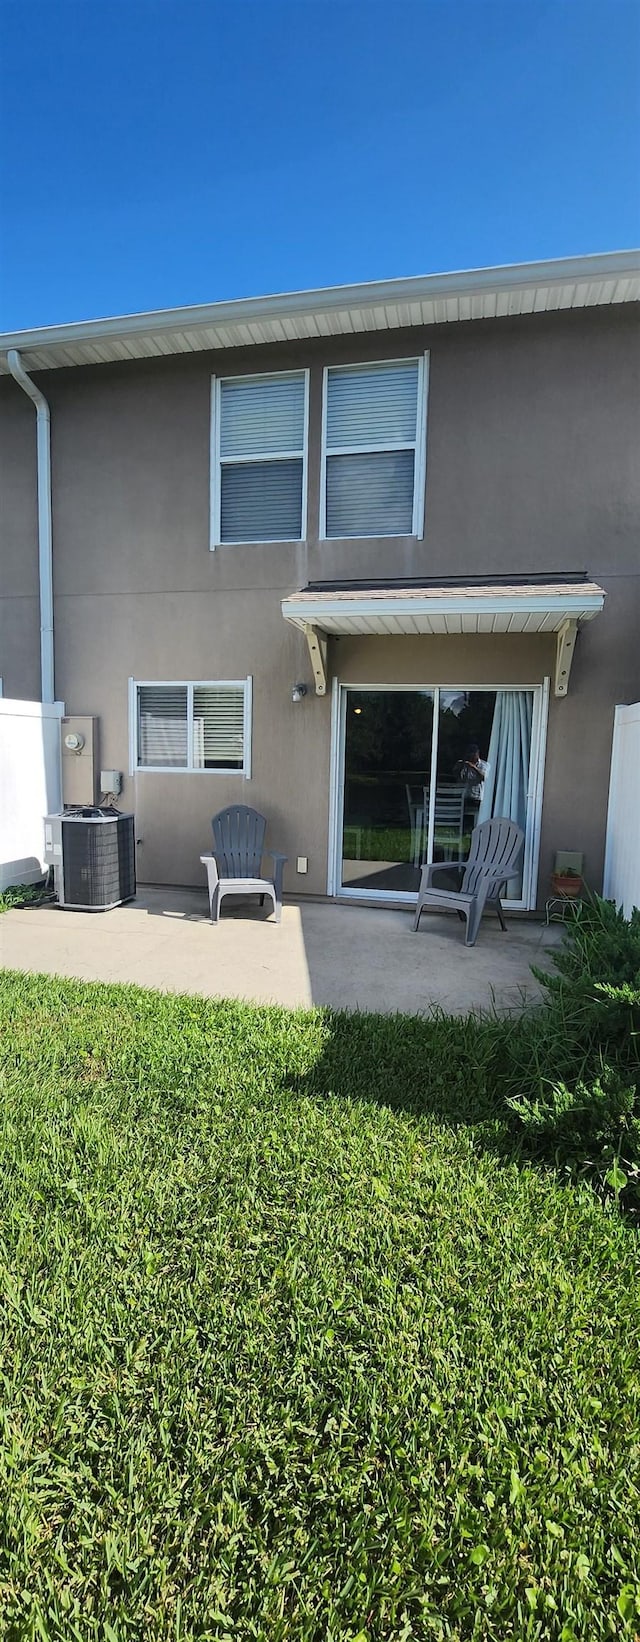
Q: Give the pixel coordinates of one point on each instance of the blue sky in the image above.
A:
(157, 153)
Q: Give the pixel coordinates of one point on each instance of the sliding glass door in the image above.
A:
(401, 799)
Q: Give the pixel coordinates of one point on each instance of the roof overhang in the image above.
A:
(342, 310)
(557, 608)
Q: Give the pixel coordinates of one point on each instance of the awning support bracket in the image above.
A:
(566, 641)
(317, 643)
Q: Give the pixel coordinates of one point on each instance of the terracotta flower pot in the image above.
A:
(567, 884)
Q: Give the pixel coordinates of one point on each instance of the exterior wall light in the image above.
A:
(298, 692)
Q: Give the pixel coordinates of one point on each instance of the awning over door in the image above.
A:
(554, 607)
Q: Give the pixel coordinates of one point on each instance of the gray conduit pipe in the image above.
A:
(45, 556)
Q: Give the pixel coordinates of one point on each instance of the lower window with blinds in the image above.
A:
(200, 726)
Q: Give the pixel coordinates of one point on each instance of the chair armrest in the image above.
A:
(504, 877)
(428, 872)
(209, 861)
(279, 862)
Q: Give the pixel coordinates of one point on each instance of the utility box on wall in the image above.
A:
(79, 735)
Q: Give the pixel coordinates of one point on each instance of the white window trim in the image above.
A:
(244, 684)
(216, 460)
(419, 446)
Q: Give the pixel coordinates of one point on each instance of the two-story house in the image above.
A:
(310, 550)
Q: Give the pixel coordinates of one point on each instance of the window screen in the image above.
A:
(193, 726)
(261, 458)
(218, 726)
(372, 432)
(162, 726)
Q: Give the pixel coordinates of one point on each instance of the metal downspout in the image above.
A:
(45, 556)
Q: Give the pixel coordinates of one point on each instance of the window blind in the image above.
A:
(261, 501)
(372, 405)
(261, 441)
(262, 415)
(370, 495)
(162, 726)
(218, 726)
(371, 446)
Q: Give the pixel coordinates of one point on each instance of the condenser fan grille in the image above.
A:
(98, 862)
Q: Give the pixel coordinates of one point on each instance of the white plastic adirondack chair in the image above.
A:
(494, 858)
(235, 866)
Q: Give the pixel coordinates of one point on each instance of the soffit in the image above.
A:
(349, 310)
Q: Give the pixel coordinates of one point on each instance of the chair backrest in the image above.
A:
(496, 847)
(449, 806)
(238, 841)
(414, 796)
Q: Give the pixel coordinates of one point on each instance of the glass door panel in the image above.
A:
(465, 718)
(387, 763)
(488, 732)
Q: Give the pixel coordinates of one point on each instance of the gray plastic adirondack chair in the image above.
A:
(494, 858)
(235, 866)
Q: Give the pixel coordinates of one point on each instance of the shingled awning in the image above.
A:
(555, 607)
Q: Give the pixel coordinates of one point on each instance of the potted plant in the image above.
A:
(567, 883)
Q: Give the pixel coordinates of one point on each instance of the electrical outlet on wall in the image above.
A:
(302, 864)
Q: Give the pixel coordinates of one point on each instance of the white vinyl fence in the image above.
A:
(30, 785)
(622, 854)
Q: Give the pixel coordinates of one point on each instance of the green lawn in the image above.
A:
(292, 1344)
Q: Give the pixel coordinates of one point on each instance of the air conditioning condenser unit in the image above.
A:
(92, 852)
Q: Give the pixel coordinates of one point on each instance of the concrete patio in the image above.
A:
(350, 957)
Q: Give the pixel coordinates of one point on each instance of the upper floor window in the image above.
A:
(259, 458)
(204, 726)
(374, 449)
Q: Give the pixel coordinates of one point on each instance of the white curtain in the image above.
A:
(506, 783)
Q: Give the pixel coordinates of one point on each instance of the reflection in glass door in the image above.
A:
(486, 734)
(409, 795)
(387, 763)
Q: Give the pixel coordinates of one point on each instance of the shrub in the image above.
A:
(572, 1068)
(596, 1111)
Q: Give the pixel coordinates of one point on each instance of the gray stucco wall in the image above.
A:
(532, 466)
